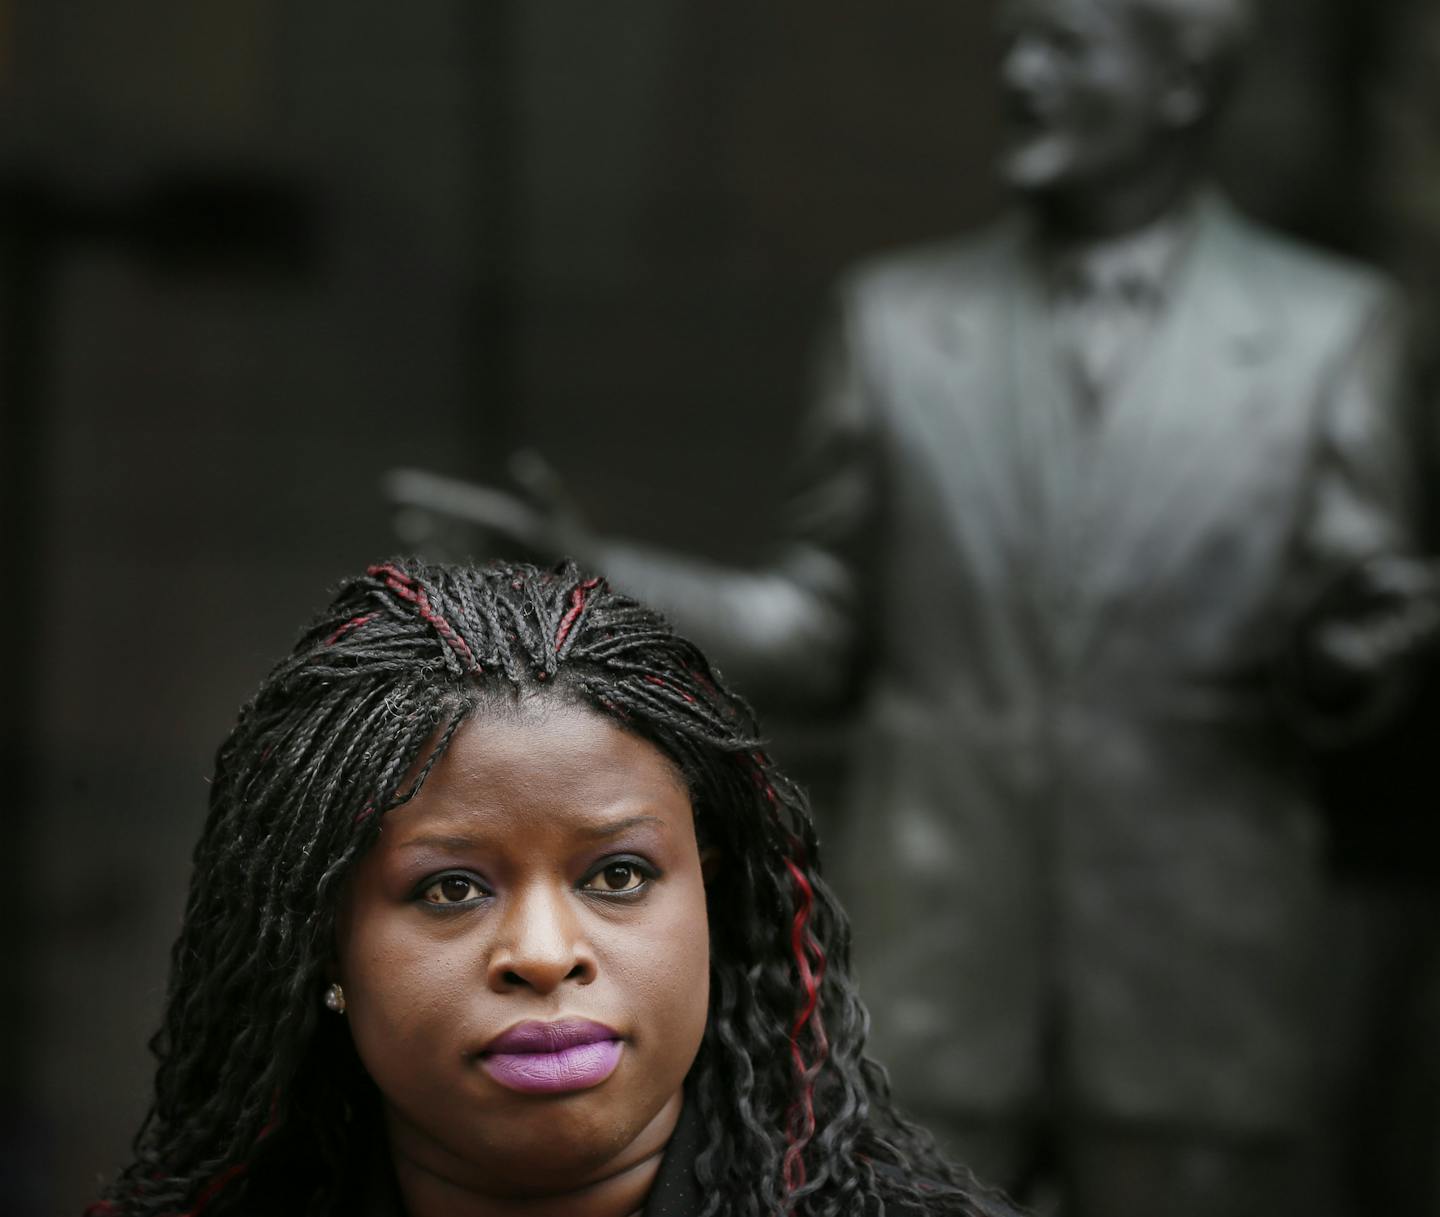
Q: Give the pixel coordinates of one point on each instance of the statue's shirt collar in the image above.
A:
(1138, 267)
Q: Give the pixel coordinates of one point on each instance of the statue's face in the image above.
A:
(1086, 89)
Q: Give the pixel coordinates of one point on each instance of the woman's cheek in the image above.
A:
(684, 985)
(399, 985)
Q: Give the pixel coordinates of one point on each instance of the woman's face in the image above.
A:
(525, 954)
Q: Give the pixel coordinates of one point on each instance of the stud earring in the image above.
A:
(335, 999)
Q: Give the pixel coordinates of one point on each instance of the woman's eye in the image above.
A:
(617, 877)
(452, 889)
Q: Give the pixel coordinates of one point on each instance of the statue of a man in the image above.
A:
(1087, 501)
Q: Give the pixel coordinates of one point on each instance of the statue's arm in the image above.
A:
(1364, 497)
(780, 632)
(1369, 605)
(791, 629)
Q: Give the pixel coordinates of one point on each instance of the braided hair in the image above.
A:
(250, 1077)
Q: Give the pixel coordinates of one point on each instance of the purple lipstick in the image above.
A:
(552, 1058)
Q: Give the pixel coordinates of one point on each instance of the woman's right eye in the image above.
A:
(452, 889)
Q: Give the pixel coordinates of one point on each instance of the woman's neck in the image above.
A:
(435, 1185)
(622, 1194)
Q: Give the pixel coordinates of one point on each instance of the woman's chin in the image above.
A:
(541, 1144)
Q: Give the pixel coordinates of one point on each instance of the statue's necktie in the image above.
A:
(1103, 321)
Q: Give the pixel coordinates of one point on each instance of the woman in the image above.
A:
(500, 908)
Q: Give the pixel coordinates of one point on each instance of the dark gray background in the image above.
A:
(257, 251)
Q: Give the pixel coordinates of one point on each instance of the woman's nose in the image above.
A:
(540, 945)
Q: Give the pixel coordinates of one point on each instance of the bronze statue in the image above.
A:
(1090, 504)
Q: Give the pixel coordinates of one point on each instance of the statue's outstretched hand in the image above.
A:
(1392, 615)
(446, 517)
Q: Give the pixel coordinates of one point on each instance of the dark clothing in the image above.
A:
(677, 1192)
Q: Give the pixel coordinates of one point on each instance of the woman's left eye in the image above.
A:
(618, 876)
(452, 889)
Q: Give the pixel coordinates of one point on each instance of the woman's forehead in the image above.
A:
(548, 762)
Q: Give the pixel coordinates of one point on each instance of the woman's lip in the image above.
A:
(535, 1038)
(551, 1058)
(577, 1067)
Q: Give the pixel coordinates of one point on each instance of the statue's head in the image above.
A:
(1095, 89)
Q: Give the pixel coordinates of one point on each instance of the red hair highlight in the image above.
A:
(578, 595)
(810, 965)
(353, 624)
(662, 684)
(405, 587)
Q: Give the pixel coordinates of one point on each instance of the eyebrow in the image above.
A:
(596, 832)
(600, 832)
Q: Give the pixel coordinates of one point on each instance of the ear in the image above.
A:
(1191, 90)
(1185, 103)
(710, 863)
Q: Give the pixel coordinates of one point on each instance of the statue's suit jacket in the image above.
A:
(1076, 832)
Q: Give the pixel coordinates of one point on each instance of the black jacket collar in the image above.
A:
(676, 1192)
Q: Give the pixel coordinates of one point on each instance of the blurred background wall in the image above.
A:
(255, 252)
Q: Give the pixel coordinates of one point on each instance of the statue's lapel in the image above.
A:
(1046, 436)
(980, 431)
(1170, 447)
